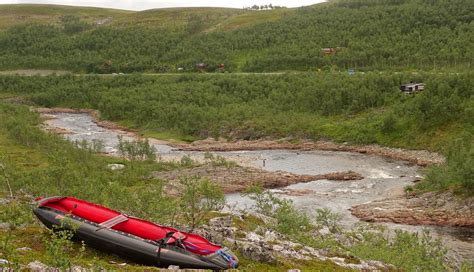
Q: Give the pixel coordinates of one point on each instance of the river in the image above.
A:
(382, 177)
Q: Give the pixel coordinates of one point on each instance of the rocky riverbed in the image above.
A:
(418, 157)
(237, 178)
(385, 172)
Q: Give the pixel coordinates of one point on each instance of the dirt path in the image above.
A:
(35, 72)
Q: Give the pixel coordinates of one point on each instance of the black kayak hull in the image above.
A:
(126, 245)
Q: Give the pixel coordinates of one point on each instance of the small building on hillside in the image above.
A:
(201, 67)
(329, 51)
(412, 87)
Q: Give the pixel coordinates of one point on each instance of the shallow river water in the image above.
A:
(382, 177)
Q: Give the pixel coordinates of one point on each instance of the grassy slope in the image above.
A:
(220, 19)
(11, 15)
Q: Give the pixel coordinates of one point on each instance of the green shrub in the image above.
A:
(458, 172)
(329, 219)
(289, 220)
(266, 202)
(136, 150)
(406, 250)
(60, 250)
(198, 196)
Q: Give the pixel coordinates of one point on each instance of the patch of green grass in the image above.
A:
(408, 251)
(170, 136)
(250, 18)
(16, 14)
(6, 95)
(33, 236)
(249, 223)
(176, 18)
(22, 157)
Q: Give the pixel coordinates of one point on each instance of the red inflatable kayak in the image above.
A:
(130, 236)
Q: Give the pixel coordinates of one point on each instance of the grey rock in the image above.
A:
(270, 236)
(253, 237)
(362, 266)
(256, 252)
(3, 261)
(290, 244)
(38, 266)
(77, 268)
(115, 166)
(221, 222)
(324, 231)
(376, 263)
(173, 267)
(4, 201)
(23, 249)
(216, 234)
(278, 248)
(339, 261)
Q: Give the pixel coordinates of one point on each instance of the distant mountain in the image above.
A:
(340, 34)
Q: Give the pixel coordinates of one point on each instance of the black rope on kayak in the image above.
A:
(158, 257)
(163, 242)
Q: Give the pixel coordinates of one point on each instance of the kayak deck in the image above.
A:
(115, 220)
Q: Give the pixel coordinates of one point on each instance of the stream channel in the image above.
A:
(382, 177)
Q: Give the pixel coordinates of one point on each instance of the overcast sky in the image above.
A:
(150, 4)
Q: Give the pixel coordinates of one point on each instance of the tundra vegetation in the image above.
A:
(391, 42)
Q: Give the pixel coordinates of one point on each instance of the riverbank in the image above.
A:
(417, 157)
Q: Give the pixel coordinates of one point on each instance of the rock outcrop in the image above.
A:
(268, 246)
(442, 209)
(236, 178)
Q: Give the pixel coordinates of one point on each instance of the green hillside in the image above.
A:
(368, 35)
(168, 18)
(12, 15)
